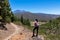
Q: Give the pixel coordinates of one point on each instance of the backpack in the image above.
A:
(35, 24)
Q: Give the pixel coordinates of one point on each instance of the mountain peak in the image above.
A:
(20, 11)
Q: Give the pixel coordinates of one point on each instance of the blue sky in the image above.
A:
(36, 6)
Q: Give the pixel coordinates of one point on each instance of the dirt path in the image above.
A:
(15, 32)
(22, 33)
(5, 33)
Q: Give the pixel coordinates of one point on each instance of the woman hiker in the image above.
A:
(36, 27)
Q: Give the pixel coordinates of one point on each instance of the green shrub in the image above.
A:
(7, 19)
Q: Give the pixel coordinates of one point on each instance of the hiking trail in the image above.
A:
(22, 33)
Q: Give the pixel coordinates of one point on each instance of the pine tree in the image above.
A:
(5, 10)
(22, 19)
(28, 22)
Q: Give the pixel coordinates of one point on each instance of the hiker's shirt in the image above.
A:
(36, 24)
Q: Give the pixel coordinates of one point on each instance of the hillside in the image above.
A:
(32, 16)
(24, 34)
(51, 29)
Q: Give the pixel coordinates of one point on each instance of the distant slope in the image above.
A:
(51, 29)
(32, 16)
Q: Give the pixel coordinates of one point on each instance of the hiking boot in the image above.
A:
(36, 35)
(33, 36)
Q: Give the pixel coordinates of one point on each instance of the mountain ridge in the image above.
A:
(32, 16)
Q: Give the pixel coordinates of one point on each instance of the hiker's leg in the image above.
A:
(34, 31)
(37, 31)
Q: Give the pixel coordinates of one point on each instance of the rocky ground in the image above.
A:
(25, 34)
(19, 33)
(8, 32)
